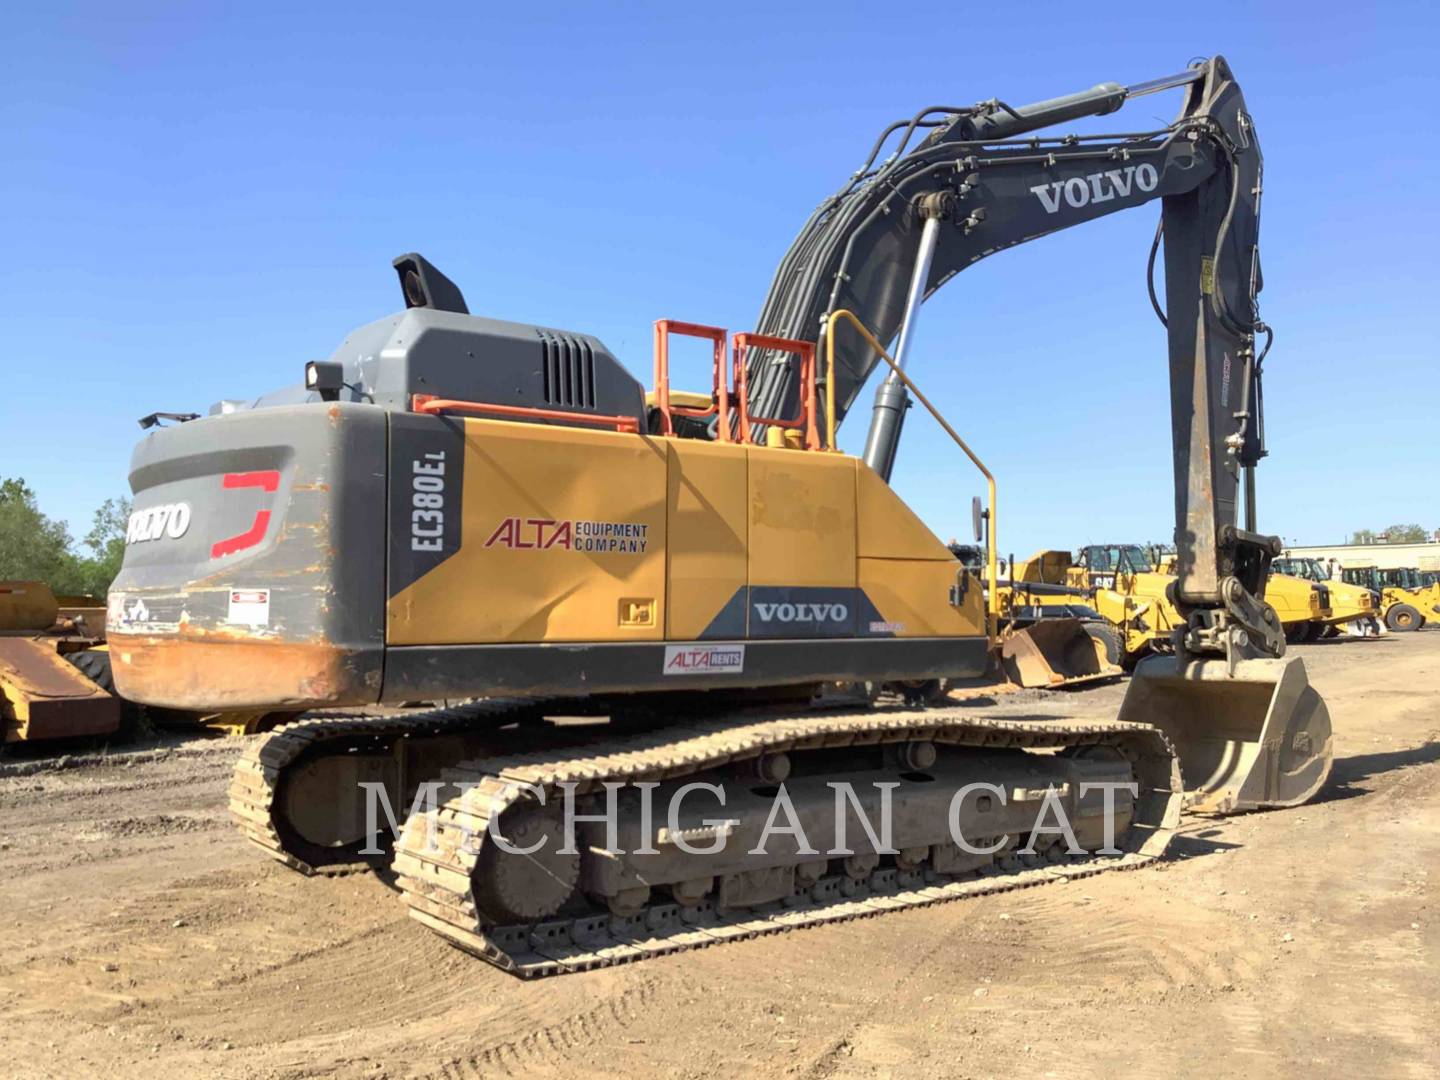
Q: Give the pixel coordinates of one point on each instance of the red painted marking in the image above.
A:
(249, 538)
(266, 480)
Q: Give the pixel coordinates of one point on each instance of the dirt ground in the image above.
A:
(140, 936)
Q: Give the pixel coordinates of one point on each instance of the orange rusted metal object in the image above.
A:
(217, 672)
(806, 421)
(44, 696)
(432, 405)
(720, 382)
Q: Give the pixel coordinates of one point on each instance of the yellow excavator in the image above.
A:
(455, 508)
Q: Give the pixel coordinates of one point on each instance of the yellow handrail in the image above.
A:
(992, 568)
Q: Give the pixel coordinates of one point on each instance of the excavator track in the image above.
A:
(437, 860)
(256, 783)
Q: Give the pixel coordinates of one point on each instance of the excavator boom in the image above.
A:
(897, 231)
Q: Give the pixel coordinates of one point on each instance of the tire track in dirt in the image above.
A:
(552, 1044)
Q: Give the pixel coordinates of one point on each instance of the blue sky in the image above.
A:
(199, 198)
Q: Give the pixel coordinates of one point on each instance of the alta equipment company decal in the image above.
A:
(542, 534)
(704, 659)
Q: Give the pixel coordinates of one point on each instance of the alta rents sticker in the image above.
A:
(704, 659)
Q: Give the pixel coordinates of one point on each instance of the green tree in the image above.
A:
(1406, 534)
(34, 547)
(1362, 536)
(106, 539)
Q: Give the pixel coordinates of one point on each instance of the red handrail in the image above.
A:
(805, 422)
(720, 383)
(430, 404)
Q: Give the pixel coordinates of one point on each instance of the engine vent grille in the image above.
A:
(567, 371)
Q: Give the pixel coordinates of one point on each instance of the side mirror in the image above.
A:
(976, 518)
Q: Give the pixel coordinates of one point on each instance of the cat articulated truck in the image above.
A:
(500, 518)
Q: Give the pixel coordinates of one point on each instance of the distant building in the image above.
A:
(1425, 556)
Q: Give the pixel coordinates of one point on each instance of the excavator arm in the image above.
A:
(980, 182)
(1249, 728)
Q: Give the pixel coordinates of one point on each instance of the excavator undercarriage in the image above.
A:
(538, 912)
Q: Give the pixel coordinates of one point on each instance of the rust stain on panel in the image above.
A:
(230, 669)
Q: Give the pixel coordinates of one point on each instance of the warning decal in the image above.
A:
(249, 607)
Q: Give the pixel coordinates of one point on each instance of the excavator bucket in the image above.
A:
(1054, 652)
(1250, 740)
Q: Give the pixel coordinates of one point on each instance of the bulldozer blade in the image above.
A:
(1054, 652)
(1256, 739)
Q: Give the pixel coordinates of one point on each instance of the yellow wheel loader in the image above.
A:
(1422, 593)
(1427, 588)
(454, 507)
(1405, 604)
(55, 680)
(1354, 609)
(1130, 591)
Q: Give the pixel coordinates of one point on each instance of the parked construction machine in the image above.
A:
(1128, 585)
(1048, 634)
(1303, 606)
(55, 678)
(454, 507)
(1132, 593)
(1405, 604)
(1423, 593)
(1354, 609)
